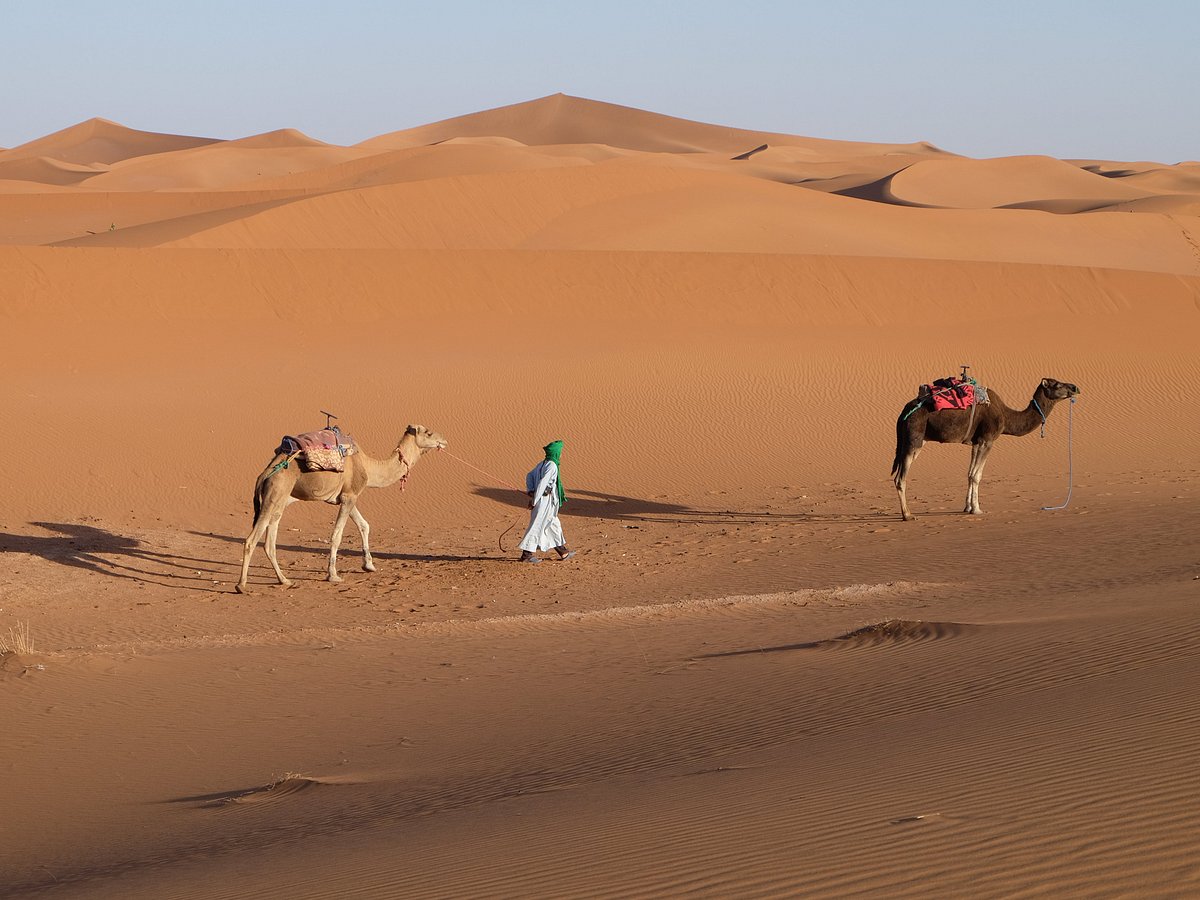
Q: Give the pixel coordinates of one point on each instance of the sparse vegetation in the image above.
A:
(17, 640)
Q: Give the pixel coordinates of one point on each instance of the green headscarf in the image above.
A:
(554, 454)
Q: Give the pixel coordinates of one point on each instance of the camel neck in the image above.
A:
(1031, 418)
(386, 472)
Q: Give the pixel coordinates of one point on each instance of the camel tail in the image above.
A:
(258, 496)
(903, 436)
(261, 482)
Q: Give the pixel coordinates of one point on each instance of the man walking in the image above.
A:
(546, 498)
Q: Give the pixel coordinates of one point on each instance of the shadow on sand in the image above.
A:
(104, 552)
(596, 505)
(348, 550)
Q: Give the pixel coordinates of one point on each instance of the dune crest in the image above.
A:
(101, 141)
(563, 119)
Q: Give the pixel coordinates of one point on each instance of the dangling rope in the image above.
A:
(499, 481)
(1070, 466)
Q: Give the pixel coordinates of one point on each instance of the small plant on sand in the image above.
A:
(17, 641)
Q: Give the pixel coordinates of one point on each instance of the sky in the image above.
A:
(1064, 78)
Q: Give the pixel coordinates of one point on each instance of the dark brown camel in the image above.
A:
(978, 426)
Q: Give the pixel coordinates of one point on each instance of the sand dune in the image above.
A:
(562, 119)
(981, 184)
(420, 163)
(1166, 204)
(1175, 179)
(220, 166)
(753, 680)
(276, 140)
(101, 141)
(44, 170)
(625, 207)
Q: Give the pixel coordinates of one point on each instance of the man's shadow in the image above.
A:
(597, 505)
(104, 552)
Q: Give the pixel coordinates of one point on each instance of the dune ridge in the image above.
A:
(101, 141)
(563, 119)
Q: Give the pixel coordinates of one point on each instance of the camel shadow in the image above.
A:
(93, 549)
(597, 505)
(378, 554)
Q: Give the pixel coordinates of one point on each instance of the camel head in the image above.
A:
(425, 439)
(1053, 389)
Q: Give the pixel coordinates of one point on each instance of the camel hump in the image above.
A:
(323, 439)
(324, 450)
(953, 392)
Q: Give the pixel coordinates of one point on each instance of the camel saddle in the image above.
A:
(952, 393)
(319, 451)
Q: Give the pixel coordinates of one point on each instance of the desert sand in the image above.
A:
(754, 679)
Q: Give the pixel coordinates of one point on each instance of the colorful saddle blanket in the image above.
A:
(952, 393)
(319, 451)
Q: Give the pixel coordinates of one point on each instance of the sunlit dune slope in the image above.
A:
(449, 159)
(624, 206)
(181, 345)
(562, 119)
(101, 141)
(45, 214)
(984, 183)
(44, 170)
(225, 164)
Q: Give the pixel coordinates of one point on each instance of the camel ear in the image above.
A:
(412, 429)
(1046, 383)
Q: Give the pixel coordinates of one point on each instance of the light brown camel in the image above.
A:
(276, 488)
(978, 426)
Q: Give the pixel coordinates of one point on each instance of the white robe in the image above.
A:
(545, 531)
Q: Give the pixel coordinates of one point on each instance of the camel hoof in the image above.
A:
(241, 588)
(335, 579)
(908, 518)
(287, 584)
(368, 567)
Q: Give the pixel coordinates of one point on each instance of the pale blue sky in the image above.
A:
(1101, 79)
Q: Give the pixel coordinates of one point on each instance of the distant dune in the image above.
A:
(45, 170)
(562, 119)
(983, 184)
(101, 141)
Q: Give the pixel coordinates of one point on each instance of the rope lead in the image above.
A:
(1070, 466)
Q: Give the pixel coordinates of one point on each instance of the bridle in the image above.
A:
(403, 482)
(1040, 413)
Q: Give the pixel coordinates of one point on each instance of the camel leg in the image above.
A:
(969, 505)
(364, 529)
(272, 533)
(347, 507)
(256, 534)
(902, 482)
(979, 455)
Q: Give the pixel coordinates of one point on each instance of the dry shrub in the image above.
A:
(17, 640)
